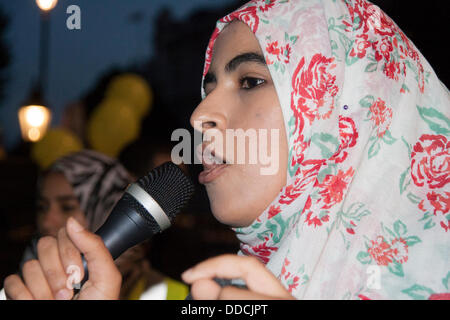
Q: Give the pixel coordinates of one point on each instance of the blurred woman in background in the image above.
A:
(86, 185)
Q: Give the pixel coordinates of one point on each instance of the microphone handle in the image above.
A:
(123, 229)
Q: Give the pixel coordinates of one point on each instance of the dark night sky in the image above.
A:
(78, 57)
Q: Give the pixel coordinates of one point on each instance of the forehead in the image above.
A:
(234, 39)
(54, 184)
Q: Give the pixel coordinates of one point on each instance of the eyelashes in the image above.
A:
(248, 83)
(245, 83)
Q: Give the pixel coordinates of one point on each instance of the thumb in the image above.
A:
(103, 273)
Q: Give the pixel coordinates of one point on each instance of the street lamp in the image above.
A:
(46, 5)
(34, 122)
(34, 116)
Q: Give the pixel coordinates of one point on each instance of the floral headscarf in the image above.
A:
(365, 210)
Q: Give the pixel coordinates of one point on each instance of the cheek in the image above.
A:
(242, 195)
(246, 190)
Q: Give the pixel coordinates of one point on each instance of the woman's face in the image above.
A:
(240, 94)
(57, 202)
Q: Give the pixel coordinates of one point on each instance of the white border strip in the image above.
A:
(150, 204)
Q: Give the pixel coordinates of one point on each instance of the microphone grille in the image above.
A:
(169, 186)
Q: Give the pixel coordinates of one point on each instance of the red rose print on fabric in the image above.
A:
(315, 220)
(430, 169)
(291, 279)
(279, 53)
(273, 49)
(331, 192)
(298, 151)
(436, 202)
(333, 187)
(248, 15)
(430, 161)
(367, 16)
(381, 115)
(209, 51)
(348, 136)
(383, 49)
(411, 52)
(439, 296)
(381, 251)
(392, 70)
(273, 211)
(351, 230)
(305, 175)
(390, 45)
(360, 46)
(264, 5)
(314, 88)
(399, 250)
(261, 251)
(390, 249)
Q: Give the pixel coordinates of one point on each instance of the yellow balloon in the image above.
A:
(56, 143)
(132, 88)
(112, 126)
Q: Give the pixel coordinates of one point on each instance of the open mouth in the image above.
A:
(213, 164)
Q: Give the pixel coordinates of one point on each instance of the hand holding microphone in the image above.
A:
(147, 207)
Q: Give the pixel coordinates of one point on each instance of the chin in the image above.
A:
(228, 214)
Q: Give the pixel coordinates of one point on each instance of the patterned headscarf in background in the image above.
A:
(97, 180)
(365, 210)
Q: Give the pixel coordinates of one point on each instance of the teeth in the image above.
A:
(212, 159)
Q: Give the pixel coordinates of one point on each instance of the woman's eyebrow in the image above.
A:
(242, 58)
(66, 198)
(232, 65)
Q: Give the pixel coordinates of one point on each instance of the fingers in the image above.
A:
(103, 274)
(35, 280)
(15, 289)
(233, 293)
(42, 279)
(71, 259)
(258, 279)
(47, 278)
(52, 269)
(207, 289)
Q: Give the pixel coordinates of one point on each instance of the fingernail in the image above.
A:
(75, 225)
(63, 294)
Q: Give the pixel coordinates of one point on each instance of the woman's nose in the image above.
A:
(209, 115)
(51, 219)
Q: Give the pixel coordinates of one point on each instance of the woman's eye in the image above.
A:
(68, 208)
(249, 83)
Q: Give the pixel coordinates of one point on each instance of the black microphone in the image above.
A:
(147, 207)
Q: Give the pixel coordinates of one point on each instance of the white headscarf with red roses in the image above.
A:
(365, 210)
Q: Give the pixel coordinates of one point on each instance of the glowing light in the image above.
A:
(46, 5)
(35, 115)
(34, 121)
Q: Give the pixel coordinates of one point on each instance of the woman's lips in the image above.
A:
(211, 172)
(211, 169)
